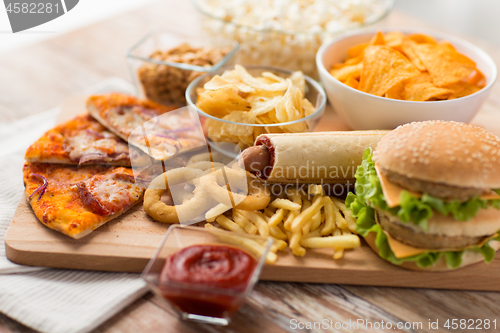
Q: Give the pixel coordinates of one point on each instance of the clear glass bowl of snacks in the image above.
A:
(237, 105)
(286, 33)
(205, 274)
(162, 64)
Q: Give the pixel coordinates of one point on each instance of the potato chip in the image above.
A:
(343, 73)
(218, 82)
(408, 49)
(444, 63)
(298, 80)
(308, 107)
(383, 68)
(264, 105)
(352, 82)
(255, 83)
(221, 102)
(421, 88)
(421, 38)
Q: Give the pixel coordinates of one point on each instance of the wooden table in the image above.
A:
(39, 77)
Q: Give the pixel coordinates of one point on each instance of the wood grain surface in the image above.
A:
(41, 76)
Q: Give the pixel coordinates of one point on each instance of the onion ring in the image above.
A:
(258, 195)
(188, 210)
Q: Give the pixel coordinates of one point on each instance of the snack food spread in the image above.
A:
(412, 67)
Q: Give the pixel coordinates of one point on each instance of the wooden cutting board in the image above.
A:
(128, 242)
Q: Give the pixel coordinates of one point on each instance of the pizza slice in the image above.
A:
(76, 200)
(147, 125)
(82, 141)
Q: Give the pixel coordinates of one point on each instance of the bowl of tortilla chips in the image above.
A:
(380, 79)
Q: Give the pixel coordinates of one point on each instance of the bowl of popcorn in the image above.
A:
(162, 64)
(288, 33)
(237, 104)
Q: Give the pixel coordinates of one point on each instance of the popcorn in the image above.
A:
(286, 33)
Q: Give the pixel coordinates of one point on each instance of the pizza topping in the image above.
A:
(41, 188)
(90, 146)
(109, 194)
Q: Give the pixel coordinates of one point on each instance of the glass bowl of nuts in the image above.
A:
(162, 64)
(286, 33)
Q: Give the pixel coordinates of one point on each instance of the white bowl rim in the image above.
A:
(441, 36)
(318, 112)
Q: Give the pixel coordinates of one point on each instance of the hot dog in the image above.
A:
(309, 158)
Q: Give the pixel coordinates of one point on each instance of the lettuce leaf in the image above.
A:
(412, 209)
(366, 223)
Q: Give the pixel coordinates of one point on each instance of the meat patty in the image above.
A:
(438, 190)
(414, 238)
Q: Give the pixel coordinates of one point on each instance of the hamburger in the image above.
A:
(427, 198)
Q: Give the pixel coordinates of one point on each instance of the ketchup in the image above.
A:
(207, 280)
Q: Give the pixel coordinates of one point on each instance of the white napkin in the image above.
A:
(52, 300)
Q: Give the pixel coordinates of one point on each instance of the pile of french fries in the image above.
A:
(296, 219)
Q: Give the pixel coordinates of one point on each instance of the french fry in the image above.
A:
(307, 214)
(279, 244)
(248, 244)
(329, 216)
(295, 246)
(277, 218)
(316, 190)
(316, 221)
(289, 219)
(338, 254)
(315, 233)
(277, 233)
(343, 241)
(244, 223)
(216, 211)
(269, 212)
(285, 204)
(258, 219)
(227, 224)
(306, 228)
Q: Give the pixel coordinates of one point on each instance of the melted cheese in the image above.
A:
(402, 250)
(392, 192)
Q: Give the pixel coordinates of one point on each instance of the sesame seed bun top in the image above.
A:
(444, 152)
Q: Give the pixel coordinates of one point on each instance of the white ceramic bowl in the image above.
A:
(363, 111)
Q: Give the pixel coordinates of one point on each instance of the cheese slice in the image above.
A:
(392, 192)
(402, 250)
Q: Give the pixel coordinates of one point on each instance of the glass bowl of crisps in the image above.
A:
(386, 78)
(206, 274)
(237, 104)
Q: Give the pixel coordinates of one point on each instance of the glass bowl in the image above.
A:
(314, 93)
(292, 43)
(198, 301)
(165, 82)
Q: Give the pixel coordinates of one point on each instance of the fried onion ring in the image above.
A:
(258, 195)
(188, 210)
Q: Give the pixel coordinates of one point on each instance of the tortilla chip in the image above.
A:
(420, 88)
(397, 91)
(408, 49)
(343, 73)
(383, 68)
(477, 78)
(356, 50)
(462, 89)
(422, 39)
(352, 82)
(445, 65)
(378, 39)
(395, 39)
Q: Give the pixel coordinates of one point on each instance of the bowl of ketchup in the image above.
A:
(204, 275)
